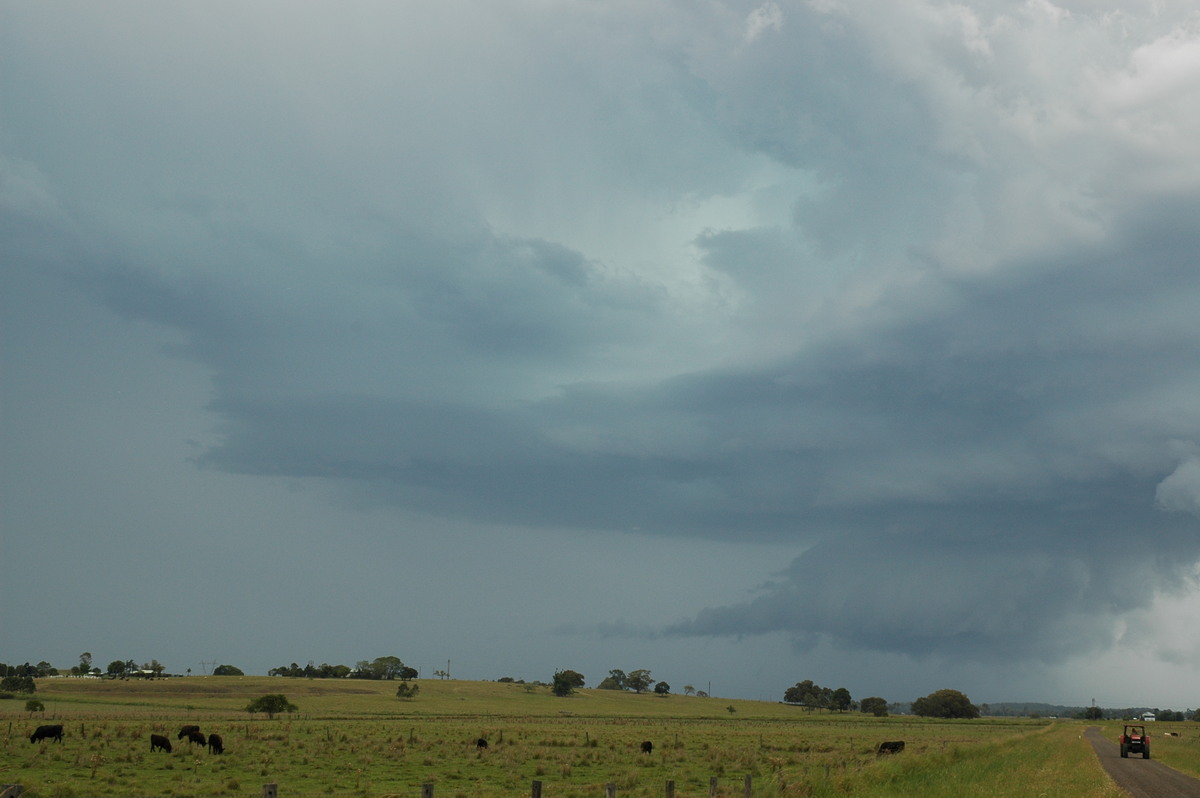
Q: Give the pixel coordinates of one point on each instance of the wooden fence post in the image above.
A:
(426, 791)
(670, 788)
(610, 790)
(536, 792)
(748, 782)
(712, 787)
(270, 791)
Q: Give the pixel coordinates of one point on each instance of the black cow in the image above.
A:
(159, 743)
(647, 747)
(893, 747)
(215, 744)
(481, 743)
(185, 731)
(197, 738)
(43, 732)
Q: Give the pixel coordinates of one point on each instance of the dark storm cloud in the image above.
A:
(911, 289)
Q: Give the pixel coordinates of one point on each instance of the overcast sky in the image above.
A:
(744, 342)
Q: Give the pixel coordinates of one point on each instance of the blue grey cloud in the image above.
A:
(907, 293)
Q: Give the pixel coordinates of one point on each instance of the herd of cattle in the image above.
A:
(158, 742)
(216, 745)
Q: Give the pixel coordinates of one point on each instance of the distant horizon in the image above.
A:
(188, 673)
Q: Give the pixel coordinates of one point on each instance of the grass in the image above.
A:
(355, 738)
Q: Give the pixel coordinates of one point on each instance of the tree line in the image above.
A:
(379, 668)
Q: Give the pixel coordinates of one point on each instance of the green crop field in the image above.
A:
(356, 738)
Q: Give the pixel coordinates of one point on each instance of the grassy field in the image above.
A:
(355, 738)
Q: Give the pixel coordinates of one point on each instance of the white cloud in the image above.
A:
(1180, 492)
(767, 17)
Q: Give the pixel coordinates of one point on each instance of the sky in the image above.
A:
(743, 342)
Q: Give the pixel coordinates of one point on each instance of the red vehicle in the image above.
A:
(1135, 741)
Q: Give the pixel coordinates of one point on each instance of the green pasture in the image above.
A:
(355, 738)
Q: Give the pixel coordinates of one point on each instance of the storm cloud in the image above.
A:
(908, 292)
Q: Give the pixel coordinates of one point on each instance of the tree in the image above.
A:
(565, 682)
(1093, 713)
(33, 705)
(662, 688)
(116, 667)
(407, 691)
(381, 668)
(227, 670)
(688, 689)
(945, 704)
(17, 684)
(85, 665)
(271, 704)
(875, 706)
(615, 680)
(808, 694)
(639, 681)
(840, 699)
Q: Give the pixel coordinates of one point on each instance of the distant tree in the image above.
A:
(17, 684)
(808, 694)
(688, 689)
(945, 704)
(840, 700)
(639, 681)
(615, 680)
(85, 665)
(662, 688)
(33, 705)
(271, 704)
(874, 706)
(227, 670)
(701, 694)
(442, 674)
(407, 691)
(116, 668)
(565, 682)
(381, 668)
(1093, 713)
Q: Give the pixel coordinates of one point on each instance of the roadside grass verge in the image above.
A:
(1054, 761)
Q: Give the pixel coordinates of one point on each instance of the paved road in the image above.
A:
(1141, 778)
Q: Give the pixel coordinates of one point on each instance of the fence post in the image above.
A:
(270, 791)
(747, 791)
(610, 790)
(670, 788)
(536, 792)
(712, 787)
(11, 790)
(426, 791)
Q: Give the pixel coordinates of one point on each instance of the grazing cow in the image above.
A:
(481, 743)
(215, 744)
(647, 747)
(159, 743)
(197, 738)
(43, 732)
(894, 747)
(185, 731)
